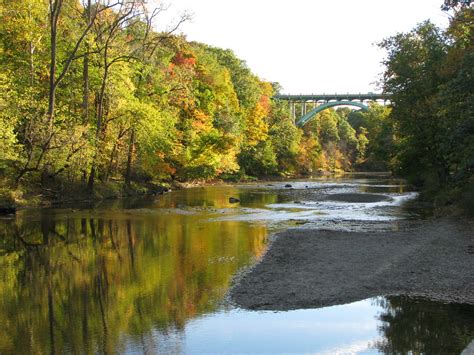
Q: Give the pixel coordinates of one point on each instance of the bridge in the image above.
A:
(310, 105)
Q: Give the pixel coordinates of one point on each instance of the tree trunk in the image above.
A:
(100, 104)
(32, 63)
(131, 150)
(100, 116)
(54, 16)
(52, 85)
(91, 180)
(85, 97)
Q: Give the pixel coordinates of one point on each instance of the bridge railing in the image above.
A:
(327, 100)
(330, 97)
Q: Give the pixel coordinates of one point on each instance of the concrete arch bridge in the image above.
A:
(310, 105)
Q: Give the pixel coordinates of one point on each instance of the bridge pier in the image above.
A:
(312, 104)
(314, 101)
(292, 110)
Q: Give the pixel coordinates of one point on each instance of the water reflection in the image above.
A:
(392, 325)
(72, 282)
(149, 275)
(418, 326)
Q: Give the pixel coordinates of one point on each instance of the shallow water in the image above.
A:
(150, 275)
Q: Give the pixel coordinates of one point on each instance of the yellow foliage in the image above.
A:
(256, 129)
(201, 121)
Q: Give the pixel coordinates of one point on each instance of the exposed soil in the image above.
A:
(305, 268)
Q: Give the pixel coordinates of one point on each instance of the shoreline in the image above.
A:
(56, 196)
(309, 268)
(65, 197)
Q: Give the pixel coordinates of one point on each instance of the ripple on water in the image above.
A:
(328, 209)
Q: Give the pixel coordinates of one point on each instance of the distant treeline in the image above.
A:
(91, 94)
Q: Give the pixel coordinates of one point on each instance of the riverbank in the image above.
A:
(307, 268)
(12, 200)
(58, 194)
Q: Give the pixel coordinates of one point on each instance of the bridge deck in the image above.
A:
(329, 97)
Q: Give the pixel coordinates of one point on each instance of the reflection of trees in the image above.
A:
(424, 327)
(85, 284)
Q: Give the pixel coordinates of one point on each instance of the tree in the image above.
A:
(413, 64)
(376, 132)
(285, 138)
(430, 74)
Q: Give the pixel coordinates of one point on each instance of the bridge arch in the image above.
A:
(310, 115)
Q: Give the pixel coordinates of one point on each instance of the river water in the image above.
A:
(150, 275)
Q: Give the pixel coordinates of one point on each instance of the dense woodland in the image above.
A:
(91, 95)
(430, 73)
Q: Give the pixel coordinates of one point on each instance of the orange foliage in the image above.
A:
(265, 103)
(267, 93)
(187, 59)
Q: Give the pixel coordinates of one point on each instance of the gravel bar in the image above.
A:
(308, 268)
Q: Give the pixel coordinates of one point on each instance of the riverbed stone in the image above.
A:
(309, 268)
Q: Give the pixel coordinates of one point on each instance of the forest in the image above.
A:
(430, 73)
(93, 99)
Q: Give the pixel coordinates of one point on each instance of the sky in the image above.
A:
(308, 46)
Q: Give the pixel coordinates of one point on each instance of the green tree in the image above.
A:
(430, 73)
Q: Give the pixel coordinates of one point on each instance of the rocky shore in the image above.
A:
(308, 268)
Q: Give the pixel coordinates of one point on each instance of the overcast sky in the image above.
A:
(308, 46)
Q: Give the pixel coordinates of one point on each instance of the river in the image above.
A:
(150, 275)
